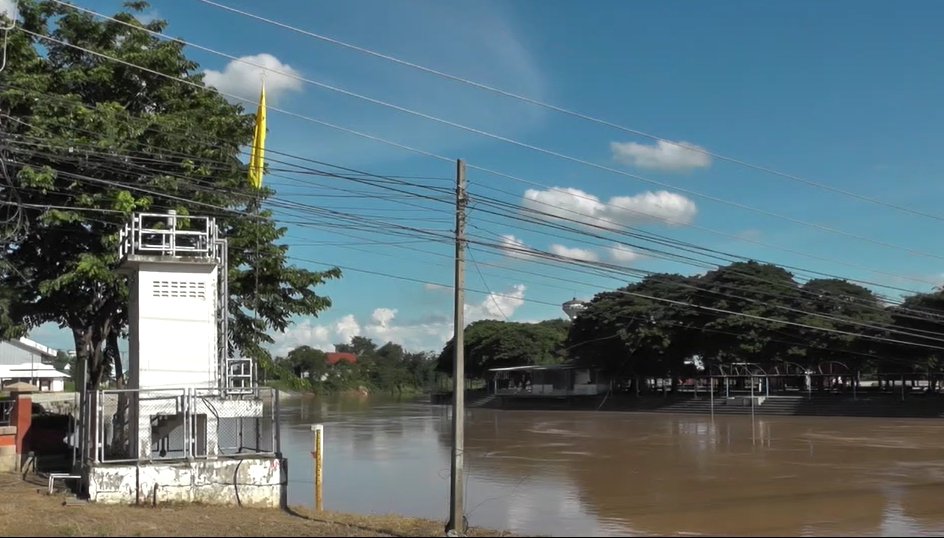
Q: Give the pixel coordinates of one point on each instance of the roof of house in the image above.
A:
(34, 347)
(334, 357)
(35, 371)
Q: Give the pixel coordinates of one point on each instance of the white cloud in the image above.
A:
(622, 253)
(347, 328)
(664, 155)
(574, 204)
(566, 203)
(514, 247)
(496, 305)
(429, 334)
(431, 287)
(668, 207)
(575, 252)
(243, 78)
(8, 8)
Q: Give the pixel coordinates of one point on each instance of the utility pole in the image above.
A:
(456, 525)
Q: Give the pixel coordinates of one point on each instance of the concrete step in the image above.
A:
(482, 401)
(820, 405)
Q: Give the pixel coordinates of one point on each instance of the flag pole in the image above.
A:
(256, 168)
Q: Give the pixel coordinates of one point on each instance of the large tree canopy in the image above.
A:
(624, 332)
(85, 142)
(753, 312)
(496, 344)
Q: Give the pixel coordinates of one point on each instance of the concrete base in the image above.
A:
(257, 481)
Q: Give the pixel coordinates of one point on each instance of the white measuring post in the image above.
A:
(318, 455)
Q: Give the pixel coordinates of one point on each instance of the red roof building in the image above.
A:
(335, 357)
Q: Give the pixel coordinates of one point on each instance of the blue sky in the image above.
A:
(843, 93)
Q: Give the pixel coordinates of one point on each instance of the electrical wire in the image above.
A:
(413, 229)
(571, 112)
(497, 137)
(93, 178)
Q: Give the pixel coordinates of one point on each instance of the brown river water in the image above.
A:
(570, 473)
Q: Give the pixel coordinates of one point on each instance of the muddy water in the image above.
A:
(568, 473)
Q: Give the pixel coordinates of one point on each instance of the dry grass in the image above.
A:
(26, 510)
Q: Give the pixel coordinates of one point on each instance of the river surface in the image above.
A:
(569, 473)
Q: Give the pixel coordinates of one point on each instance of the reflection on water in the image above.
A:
(584, 473)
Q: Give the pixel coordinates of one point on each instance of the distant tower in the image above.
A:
(574, 307)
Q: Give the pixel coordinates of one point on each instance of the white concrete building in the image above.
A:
(191, 410)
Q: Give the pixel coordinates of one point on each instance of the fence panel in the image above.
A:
(165, 416)
(170, 424)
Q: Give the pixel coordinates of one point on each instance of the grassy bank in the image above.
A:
(27, 510)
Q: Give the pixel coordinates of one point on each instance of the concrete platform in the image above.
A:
(258, 481)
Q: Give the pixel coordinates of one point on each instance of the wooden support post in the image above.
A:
(318, 455)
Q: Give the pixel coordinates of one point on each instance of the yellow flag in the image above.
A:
(257, 156)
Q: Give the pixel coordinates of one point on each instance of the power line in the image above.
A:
(288, 206)
(519, 179)
(644, 296)
(711, 309)
(515, 142)
(379, 224)
(485, 284)
(86, 176)
(571, 112)
(646, 236)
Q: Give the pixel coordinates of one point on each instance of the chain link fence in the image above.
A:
(171, 424)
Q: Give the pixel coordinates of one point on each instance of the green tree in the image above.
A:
(306, 359)
(360, 346)
(630, 332)
(422, 369)
(754, 289)
(496, 344)
(921, 315)
(105, 140)
(840, 306)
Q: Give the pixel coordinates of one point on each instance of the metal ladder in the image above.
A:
(237, 375)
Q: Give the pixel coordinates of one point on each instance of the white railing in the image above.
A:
(180, 424)
(169, 235)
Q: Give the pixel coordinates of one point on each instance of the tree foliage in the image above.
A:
(496, 344)
(388, 368)
(755, 313)
(95, 140)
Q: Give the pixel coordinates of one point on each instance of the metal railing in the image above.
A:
(6, 412)
(169, 234)
(134, 425)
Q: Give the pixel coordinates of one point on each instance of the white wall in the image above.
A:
(174, 325)
(249, 481)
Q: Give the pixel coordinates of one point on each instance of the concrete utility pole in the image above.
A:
(456, 525)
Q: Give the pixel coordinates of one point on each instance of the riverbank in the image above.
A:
(27, 510)
(865, 404)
